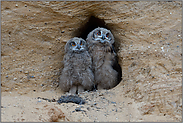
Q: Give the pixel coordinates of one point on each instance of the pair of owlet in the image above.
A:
(88, 63)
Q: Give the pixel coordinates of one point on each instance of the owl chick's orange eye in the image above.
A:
(73, 44)
(81, 43)
(99, 33)
(107, 35)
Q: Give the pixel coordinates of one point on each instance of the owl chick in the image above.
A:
(77, 75)
(100, 46)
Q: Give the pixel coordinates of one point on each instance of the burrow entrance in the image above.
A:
(93, 23)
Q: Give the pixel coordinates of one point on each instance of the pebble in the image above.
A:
(113, 102)
(26, 72)
(32, 77)
(7, 76)
(16, 5)
(15, 79)
(78, 109)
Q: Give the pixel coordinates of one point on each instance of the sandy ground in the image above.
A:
(149, 48)
(101, 106)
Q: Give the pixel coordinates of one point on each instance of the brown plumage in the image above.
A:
(100, 43)
(77, 74)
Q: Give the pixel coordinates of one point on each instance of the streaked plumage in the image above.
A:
(76, 74)
(100, 44)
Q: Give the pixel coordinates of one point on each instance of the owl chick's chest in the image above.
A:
(79, 62)
(101, 56)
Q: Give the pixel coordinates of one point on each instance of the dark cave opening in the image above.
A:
(92, 23)
(85, 29)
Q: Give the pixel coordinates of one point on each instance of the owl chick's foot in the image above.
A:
(80, 89)
(73, 90)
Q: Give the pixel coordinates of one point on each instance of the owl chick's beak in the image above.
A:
(103, 37)
(78, 46)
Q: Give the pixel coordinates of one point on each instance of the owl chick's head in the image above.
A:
(101, 35)
(76, 45)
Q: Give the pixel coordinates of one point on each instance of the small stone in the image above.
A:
(78, 109)
(16, 5)
(32, 77)
(7, 76)
(15, 79)
(113, 102)
(25, 5)
(62, 31)
(88, 108)
(26, 72)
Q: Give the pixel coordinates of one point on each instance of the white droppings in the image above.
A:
(162, 49)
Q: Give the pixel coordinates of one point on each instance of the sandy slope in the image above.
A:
(148, 44)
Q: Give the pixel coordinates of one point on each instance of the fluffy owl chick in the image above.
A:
(100, 43)
(77, 74)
